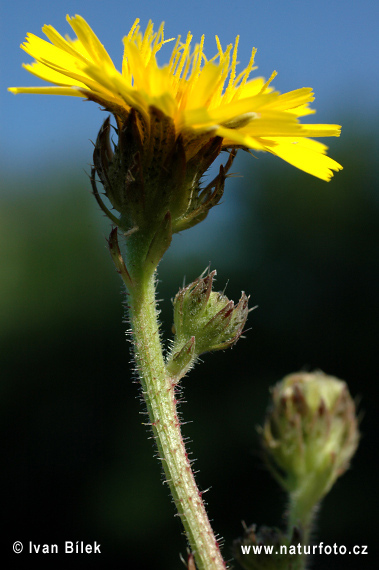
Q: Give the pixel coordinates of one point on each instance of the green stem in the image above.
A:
(159, 393)
(300, 517)
(301, 513)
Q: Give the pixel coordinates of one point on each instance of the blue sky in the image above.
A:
(330, 45)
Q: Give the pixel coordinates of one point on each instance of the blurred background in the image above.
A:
(77, 463)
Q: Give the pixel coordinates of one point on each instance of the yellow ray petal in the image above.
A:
(234, 138)
(73, 47)
(46, 91)
(90, 41)
(41, 49)
(307, 159)
(320, 130)
(294, 99)
(51, 75)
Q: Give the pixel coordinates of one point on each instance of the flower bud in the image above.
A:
(310, 433)
(204, 321)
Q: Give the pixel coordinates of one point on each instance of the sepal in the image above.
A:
(182, 360)
(160, 243)
(117, 258)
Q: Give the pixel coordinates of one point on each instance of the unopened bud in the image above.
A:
(310, 434)
(207, 317)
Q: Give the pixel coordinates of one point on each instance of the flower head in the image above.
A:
(203, 98)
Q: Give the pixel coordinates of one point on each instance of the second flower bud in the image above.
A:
(204, 321)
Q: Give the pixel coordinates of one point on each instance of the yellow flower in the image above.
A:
(200, 96)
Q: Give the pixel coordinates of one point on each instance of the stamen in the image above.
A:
(132, 29)
(273, 75)
(243, 77)
(174, 56)
(185, 60)
(198, 58)
(146, 42)
(224, 64)
(220, 52)
(159, 40)
(233, 70)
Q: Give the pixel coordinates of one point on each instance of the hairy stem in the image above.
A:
(301, 514)
(159, 393)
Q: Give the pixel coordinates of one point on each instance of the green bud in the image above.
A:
(204, 320)
(310, 434)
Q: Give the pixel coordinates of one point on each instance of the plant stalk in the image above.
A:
(158, 391)
(301, 514)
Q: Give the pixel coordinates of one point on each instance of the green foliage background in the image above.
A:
(76, 461)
